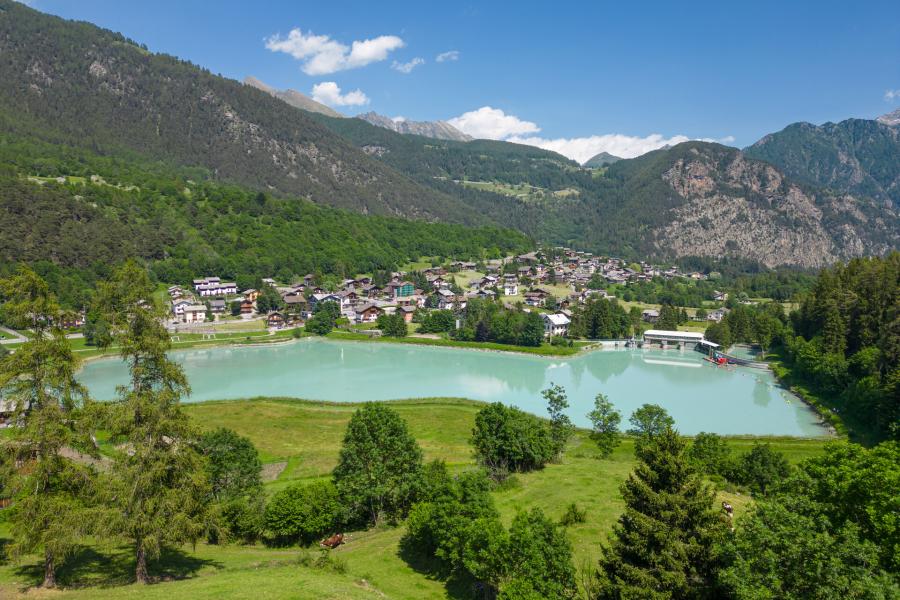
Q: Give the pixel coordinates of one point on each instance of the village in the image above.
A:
(551, 283)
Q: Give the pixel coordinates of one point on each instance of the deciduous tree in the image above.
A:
(379, 465)
(605, 421)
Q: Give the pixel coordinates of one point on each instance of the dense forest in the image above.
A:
(186, 226)
(842, 344)
(847, 342)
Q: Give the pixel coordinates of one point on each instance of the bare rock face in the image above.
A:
(744, 207)
(440, 130)
(892, 119)
(294, 98)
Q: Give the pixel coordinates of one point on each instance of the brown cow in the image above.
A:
(728, 509)
(333, 542)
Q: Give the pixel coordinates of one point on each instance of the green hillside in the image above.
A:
(74, 83)
(102, 211)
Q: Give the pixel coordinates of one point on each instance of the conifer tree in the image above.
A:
(49, 490)
(662, 545)
(159, 489)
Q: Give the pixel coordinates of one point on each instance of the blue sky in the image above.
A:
(575, 77)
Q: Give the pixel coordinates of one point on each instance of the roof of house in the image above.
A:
(557, 319)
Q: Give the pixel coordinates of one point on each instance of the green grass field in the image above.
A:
(306, 437)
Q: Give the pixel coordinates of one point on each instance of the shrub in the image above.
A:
(303, 513)
(573, 515)
(440, 527)
(244, 519)
(320, 324)
(437, 321)
(393, 325)
(232, 464)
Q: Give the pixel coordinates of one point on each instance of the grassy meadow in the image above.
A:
(300, 441)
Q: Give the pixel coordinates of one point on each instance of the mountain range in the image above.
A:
(855, 156)
(601, 160)
(440, 130)
(806, 196)
(293, 97)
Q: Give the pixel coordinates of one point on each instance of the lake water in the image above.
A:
(700, 396)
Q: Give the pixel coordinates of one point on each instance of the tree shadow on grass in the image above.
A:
(458, 586)
(4, 542)
(90, 567)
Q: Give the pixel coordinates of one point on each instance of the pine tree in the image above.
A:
(50, 509)
(662, 545)
(159, 489)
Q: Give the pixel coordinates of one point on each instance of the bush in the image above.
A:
(244, 519)
(392, 325)
(437, 321)
(573, 515)
(320, 324)
(303, 513)
(440, 527)
(232, 464)
(532, 560)
(507, 439)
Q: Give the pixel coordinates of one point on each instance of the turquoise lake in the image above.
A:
(698, 395)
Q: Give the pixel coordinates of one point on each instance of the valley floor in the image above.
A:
(299, 441)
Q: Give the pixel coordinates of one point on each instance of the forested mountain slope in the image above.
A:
(74, 83)
(74, 86)
(855, 156)
(88, 213)
(695, 199)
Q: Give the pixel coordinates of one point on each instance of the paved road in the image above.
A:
(17, 338)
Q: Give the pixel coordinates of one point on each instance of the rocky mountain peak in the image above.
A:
(891, 119)
(434, 129)
(293, 97)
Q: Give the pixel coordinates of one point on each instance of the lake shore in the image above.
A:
(700, 396)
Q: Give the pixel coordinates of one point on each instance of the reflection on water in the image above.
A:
(700, 396)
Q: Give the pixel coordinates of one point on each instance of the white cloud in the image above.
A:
(398, 119)
(407, 67)
(891, 95)
(447, 56)
(322, 55)
(492, 123)
(583, 148)
(329, 93)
